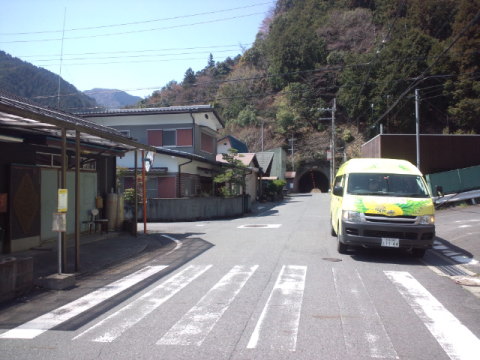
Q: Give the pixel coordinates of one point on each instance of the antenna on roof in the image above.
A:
(61, 59)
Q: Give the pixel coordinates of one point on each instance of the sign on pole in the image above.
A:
(59, 222)
(62, 205)
(149, 160)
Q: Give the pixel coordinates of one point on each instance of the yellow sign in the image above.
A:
(62, 200)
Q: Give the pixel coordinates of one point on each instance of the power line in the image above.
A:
(136, 22)
(138, 51)
(134, 31)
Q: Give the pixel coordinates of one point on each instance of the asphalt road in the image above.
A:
(269, 286)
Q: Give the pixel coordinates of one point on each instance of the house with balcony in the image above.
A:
(185, 138)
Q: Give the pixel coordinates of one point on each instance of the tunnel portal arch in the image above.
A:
(311, 179)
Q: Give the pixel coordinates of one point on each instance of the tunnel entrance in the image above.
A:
(312, 179)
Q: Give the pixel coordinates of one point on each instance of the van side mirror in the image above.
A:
(338, 191)
(439, 190)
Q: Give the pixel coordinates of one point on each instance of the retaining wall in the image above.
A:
(16, 277)
(193, 209)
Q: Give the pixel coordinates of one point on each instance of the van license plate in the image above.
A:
(389, 242)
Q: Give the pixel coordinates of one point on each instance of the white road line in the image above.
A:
(117, 323)
(358, 313)
(35, 327)
(456, 339)
(259, 226)
(282, 311)
(195, 325)
(177, 242)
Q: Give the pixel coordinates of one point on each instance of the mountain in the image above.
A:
(369, 56)
(41, 86)
(111, 98)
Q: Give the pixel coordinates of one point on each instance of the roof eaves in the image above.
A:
(30, 115)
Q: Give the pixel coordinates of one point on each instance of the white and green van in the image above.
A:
(382, 203)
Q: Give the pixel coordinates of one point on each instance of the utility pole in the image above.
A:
(417, 125)
(291, 151)
(61, 59)
(262, 132)
(333, 109)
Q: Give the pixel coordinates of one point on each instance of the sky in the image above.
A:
(135, 46)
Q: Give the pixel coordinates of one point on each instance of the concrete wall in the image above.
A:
(16, 275)
(192, 209)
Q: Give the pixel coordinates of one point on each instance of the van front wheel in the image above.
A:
(418, 253)
(332, 230)
(341, 247)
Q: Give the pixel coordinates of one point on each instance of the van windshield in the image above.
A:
(387, 185)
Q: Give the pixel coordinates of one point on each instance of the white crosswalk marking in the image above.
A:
(194, 326)
(457, 341)
(37, 326)
(277, 321)
(282, 310)
(114, 325)
(359, 313)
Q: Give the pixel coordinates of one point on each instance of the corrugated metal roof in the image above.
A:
(21, 115)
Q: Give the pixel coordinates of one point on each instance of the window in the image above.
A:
(387, 185)
(154, 137)
(339, 181)
(184, 137)
(207, 143)
(169, 138)
(167, 187)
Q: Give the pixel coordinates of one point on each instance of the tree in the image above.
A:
(465, 107)
(293, 46)
(211, 63)
(233, 175)
(189, 79)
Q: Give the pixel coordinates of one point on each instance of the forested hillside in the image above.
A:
(370, 55)
(24, 79)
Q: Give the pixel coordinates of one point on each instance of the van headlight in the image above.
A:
(426, 220)
(353, 216)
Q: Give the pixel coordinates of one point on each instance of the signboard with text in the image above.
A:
(62, 205)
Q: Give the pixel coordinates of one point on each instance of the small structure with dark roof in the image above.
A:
(229, 142)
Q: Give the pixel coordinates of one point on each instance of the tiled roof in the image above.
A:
(154, 110)
(245, 158)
